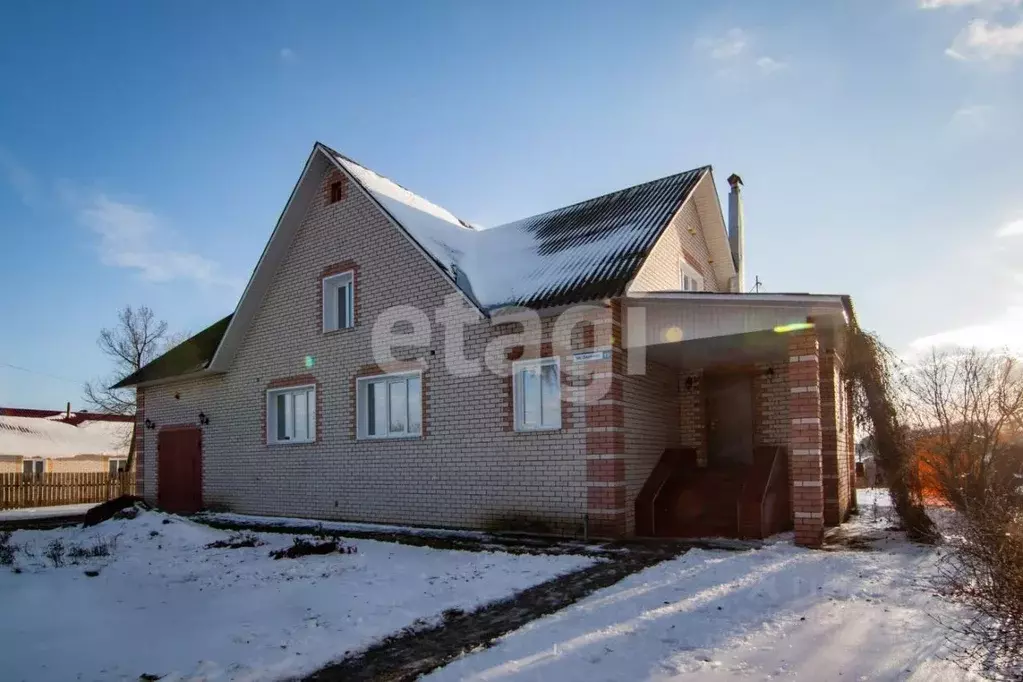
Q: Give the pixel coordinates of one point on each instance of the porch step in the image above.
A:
(700, 503)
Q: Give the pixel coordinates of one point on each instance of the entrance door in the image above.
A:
(179, 469)
(729, 418)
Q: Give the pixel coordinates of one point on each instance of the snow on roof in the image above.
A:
(41, 437)
(585, 251)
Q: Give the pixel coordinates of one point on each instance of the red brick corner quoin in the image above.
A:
(805, 440)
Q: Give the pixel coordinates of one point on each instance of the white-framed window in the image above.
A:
(117, 466)
(537, 394)
(339, 301)
(390, 405)
(691, 279)
(34, 467)
(291, 415)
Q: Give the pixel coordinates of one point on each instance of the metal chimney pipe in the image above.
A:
(736, 236)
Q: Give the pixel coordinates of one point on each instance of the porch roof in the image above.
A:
(697, 330)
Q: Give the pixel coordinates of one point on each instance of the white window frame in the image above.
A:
(342, 283)
(271, 414)
(518, 397)
(689, 277)
(120, 462)
(362, 405)
(38, 467)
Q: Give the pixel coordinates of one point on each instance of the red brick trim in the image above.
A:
(375, 370)
(140, 441)
(287, 382)
(605, 470)
(605, 497)
(337, 269)
(334, 177)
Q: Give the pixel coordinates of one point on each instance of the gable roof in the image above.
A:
(190, 356)
(583, 252)
(588, 251)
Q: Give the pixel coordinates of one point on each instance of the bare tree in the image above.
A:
(966, 410)
(137, 338)
(966, 407)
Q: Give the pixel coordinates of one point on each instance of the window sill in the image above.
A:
(370, 439)
(325, 332)
(537, 429)
(290, 442)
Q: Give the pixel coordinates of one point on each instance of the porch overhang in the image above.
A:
(700, 330)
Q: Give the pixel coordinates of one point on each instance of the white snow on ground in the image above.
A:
(162, 604)
(23, 513)
(780, 612)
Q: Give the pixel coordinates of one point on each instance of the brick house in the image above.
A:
(595, 369)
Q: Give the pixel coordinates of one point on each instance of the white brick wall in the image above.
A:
(469, 469)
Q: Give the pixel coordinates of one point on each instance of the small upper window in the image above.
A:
(291, 415)
(390, 406)
(691, 279)
(117, 466)
(338, 301)
(337, 191)
(34, 467)
(537, 394)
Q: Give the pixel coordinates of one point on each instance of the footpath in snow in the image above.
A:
(162, 604)
(780, 612)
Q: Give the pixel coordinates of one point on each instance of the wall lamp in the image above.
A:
(150, 424)
(203, 419)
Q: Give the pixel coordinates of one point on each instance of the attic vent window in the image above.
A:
(337, 191)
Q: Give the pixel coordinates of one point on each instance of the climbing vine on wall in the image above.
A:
(871, 368)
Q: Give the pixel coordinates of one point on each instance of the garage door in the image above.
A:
(179, 469)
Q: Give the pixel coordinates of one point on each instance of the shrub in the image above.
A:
(984, 572)
(7, 549)
(302, 547)
(236, 541)
(100, 549)
(55, 552)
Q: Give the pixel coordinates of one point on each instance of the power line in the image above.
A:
(43, 374)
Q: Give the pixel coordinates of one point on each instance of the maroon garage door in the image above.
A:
(179, 482)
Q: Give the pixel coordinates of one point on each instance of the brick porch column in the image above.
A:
(805, 438)
(606, 493)
(140, 441)
(829, 439)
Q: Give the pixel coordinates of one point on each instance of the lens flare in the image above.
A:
(794, 327)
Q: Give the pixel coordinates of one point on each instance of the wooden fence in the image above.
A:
(52, 489)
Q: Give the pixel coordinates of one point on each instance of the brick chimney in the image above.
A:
(736, 238)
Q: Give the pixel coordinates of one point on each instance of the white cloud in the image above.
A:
(984, 40)
(942, 4)
(1006, 331)
(731, 52)
(972, 119)
(1011, 229)
(768, 65)
(288, 55)
(133, 237)
(20, 179)
(729, 46)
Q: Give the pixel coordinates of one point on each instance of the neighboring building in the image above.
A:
(678, 405)
(53, 441)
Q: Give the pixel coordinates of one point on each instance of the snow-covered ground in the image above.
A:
(28, 513)
(164, 605)
(780, 612)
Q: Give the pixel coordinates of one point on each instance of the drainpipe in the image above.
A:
(736, 239)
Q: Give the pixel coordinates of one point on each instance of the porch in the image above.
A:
(756, 437)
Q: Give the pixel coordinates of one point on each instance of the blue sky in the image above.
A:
(146, 149)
